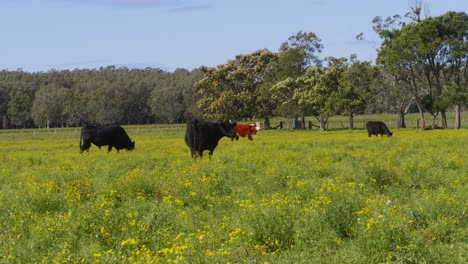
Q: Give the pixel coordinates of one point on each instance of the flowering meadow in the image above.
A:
(287, 197)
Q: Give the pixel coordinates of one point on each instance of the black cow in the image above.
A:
(112, 136)
(376, 128)
(204, 135)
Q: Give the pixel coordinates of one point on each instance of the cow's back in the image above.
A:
(106, 135)
(245, 130)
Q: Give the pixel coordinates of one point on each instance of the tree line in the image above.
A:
(107, 95)
(421, 66)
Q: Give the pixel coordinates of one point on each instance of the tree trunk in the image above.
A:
(433, 120)
(351, 121)
(421, 116)
(401, 119)
(267, 123)
(303, 122)
(457, 124)
(323, 123)
(5, 122)
(443, 119)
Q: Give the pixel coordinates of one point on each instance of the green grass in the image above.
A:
(287, 197)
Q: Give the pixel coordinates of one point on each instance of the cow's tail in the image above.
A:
(81, 140)
(196, 137)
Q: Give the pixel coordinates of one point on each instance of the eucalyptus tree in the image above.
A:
(4, 99)
(172, 98)
(354, 87)
(455, 74)
(295, 56)
(316, 92)
(77, 111)
(286, 95)
(19, 109)
(300, 52)
(325, 97)
(230, 90)
(48, 106)
(396, 58)
(454, 95)
(443, 43)
(423, 53)
(389, 95)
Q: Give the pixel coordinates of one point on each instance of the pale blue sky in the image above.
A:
(39, 35)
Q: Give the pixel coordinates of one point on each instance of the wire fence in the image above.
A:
(335, 122)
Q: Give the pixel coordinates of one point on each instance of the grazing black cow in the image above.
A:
(376, 128)
(112, 136)
(203, 135)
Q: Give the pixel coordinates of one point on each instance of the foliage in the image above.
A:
(421, 64)
(355, 88)
(300, 51)
(327, 197)
(230, 90)
(107, 95)
(426, 54)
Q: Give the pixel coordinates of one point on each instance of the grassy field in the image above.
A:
(287, 197)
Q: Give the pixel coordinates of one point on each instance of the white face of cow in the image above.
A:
(254, 132)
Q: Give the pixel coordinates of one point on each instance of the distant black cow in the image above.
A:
(203, 135)
(112, 136)
(376, 128)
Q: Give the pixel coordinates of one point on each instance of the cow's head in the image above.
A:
(227, 128)
(253, 130)
(131, 146)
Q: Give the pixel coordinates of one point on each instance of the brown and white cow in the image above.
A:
(246, 130)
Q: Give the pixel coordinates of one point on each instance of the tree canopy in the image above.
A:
(422, 64)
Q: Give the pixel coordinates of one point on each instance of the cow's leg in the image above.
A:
(109, 148)
(193, 152)
(210, 154)
(250, 137)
